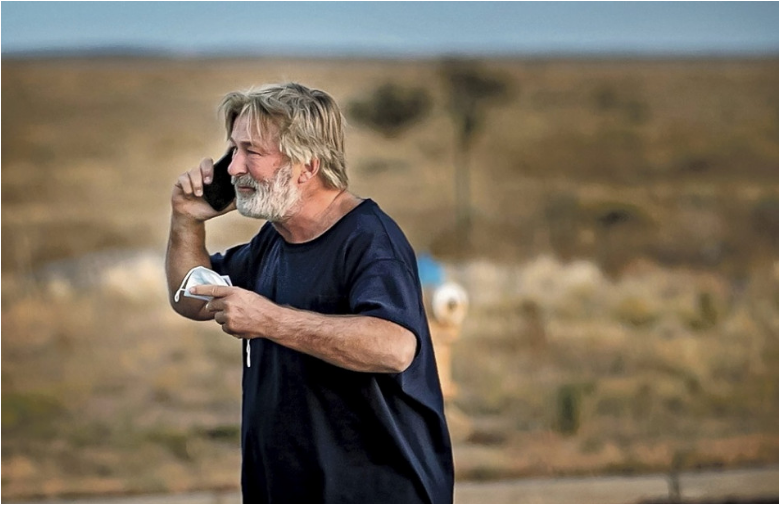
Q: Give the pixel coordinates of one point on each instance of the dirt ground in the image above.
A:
(759, 485)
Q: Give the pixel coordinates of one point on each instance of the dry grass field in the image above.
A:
(622, 265)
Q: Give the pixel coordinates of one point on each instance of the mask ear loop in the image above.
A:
(182, 286)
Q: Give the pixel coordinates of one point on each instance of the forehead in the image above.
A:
(246, 130)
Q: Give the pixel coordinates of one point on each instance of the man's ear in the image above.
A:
(309, 170)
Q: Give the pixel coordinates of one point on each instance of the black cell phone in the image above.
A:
(220, 193)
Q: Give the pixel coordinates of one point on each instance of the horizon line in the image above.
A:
(139, 50)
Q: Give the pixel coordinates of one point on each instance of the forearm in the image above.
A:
(359, 343)
(186, 249)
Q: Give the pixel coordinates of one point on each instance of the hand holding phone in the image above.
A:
(220, 192)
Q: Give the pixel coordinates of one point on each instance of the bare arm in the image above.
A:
(186, 247)
(359, 343)
(185, 250)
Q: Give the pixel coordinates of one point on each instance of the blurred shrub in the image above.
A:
(562, 218)
(766, 219)
(610, 213)
(229, 433)
(637, 311)
(535, 330)
(175, 441)
(708, 312)
(471, 89)
(34, 413)
(391, 109)
(607, 99)
(569, 398)
(623, 230)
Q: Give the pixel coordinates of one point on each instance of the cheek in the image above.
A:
(258, 169)
(265, 167)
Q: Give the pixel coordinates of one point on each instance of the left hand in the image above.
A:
(241, 313)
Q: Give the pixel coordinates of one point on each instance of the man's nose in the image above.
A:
(237, 165)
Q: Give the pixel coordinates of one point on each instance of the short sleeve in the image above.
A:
(387, 289)
(234, 263)
(240, 262)
(218, 261)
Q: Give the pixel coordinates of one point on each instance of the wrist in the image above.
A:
(186, 230)
(185, 222)
(277, 317)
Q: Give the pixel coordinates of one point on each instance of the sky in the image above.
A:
(398, 29)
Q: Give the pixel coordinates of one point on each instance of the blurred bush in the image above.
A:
(391, 109)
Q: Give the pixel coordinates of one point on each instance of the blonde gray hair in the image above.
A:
(308, 123)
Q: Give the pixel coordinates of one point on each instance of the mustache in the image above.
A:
(245, 180)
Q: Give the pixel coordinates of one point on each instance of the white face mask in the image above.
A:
(200, 276)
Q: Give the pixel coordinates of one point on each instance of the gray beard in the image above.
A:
(273, 200)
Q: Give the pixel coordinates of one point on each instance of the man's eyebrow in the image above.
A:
(241, 142)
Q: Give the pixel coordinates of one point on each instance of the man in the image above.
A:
(341, 398)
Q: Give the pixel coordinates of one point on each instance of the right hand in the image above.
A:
(186, 197)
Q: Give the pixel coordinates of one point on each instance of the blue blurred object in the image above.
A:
(430, 271)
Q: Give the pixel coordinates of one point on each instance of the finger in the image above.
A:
(184, 182)
(231, 207)
(222, 320)
(216, 305)
(213, 291)
(206, 167)
(196, 182)
(225, 329)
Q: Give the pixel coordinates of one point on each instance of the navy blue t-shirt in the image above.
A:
(314, 432)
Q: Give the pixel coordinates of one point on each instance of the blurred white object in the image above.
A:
(450, 304)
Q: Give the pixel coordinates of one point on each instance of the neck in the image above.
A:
(317, 214)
